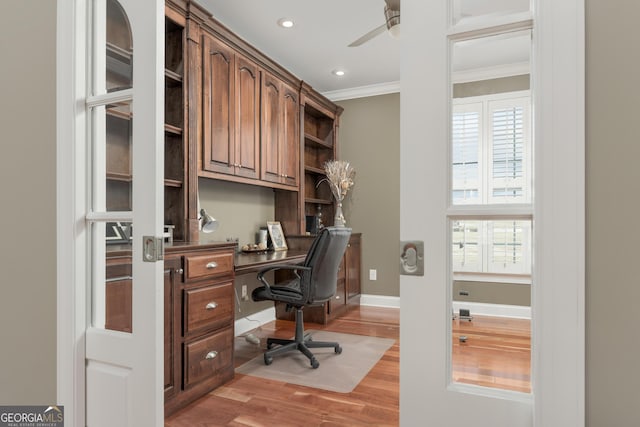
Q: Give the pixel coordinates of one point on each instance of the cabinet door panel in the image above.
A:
(291, 137)
(247, 154)
(271, 124)
(218, 106)
(353, 262)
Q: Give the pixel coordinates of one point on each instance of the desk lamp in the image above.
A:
(208, 224)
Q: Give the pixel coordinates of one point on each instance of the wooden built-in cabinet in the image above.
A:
(280, 132)
(198, 316)
(175, 147)
(231, 111)
(118, 131)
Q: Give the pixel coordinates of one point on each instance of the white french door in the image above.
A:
(113, 129)
(428, 394)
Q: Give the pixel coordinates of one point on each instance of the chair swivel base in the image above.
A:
(302, 342)
(303, 346)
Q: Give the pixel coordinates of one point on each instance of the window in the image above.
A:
(491, 153)
(491, 246)
(491, 170)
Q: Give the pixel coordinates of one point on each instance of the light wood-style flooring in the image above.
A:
(496, 353)
(501, 360)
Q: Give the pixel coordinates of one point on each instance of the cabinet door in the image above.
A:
(247, 132)
(271, 128)
(218, 106)
(290, 158)
(169, 332)
(352, 266)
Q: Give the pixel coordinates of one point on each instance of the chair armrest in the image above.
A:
(293, 267)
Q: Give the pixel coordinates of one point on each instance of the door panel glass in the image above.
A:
(491, 186)
(119, 49)
(111, 168)
(472, 9)
(491, 300)
(118, 127)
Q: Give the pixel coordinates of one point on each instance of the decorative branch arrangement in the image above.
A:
(340, 177)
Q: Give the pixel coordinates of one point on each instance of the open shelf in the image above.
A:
(315, 140)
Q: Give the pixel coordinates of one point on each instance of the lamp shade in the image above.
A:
(208, 224)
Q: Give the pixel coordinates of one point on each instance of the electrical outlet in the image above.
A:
(244, 294)
(373, 274)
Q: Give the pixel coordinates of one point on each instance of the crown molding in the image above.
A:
(363, 91)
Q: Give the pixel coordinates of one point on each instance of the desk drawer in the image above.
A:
(211, 265)
(210, 307)
(208, 357)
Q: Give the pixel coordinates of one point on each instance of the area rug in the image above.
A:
(337, 372)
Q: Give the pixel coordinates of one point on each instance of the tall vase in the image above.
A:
(338, 220)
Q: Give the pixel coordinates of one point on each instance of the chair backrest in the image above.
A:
(324, 257)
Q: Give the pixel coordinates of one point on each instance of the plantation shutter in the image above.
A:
(466, 152)
(508, 132)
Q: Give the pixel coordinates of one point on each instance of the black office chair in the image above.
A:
(314, 283)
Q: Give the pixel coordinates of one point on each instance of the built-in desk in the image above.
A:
(254, 262)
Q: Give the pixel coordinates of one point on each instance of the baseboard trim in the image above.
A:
(496, 310)
(255, 320)
(380, 301)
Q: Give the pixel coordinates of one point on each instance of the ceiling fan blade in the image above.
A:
(371, 34)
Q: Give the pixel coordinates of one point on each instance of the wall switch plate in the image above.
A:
(243, 294)
(373, 274)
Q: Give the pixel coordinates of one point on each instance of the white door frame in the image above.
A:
(72, 243)
(558, 353)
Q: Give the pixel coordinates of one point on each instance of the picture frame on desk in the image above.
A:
(277, 236)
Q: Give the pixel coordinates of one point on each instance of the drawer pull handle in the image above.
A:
(211, 355)
(212, 265)
(211, 305)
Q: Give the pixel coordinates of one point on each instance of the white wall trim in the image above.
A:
(380, 301)
(489, 73)
(363, 91)
(494, 310)
(558, 291)
(71, 299)
(252, 321)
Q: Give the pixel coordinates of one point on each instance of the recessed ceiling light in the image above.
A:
(285, 22)
(338, 73)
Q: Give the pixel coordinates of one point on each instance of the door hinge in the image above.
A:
(152, 248)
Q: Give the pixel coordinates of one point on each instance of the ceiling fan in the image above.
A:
(392, 24)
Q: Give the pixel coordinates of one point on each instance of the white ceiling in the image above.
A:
(318, 43)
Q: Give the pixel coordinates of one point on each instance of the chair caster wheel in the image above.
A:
(337, 349)
(268, 360)
(314, 363)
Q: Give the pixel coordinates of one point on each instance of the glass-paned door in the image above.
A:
(124, 335)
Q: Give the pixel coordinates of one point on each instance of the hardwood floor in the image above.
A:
(251, 401)
(496, 354)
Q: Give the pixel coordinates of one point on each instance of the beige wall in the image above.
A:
(613, 203)
(492, 292)
(240, 209)
(28, 212)
(370, 139)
